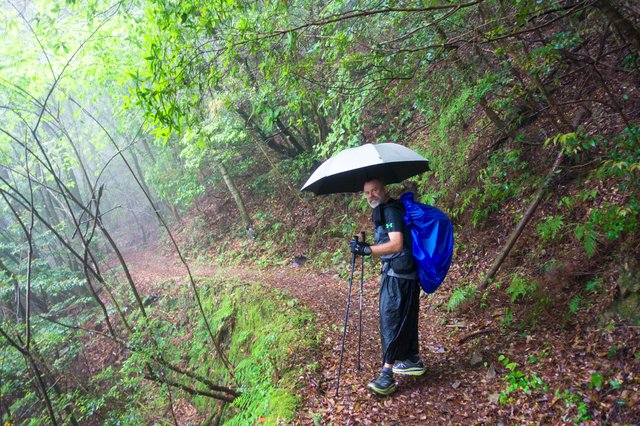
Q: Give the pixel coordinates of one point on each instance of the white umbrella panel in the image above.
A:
(348, 170)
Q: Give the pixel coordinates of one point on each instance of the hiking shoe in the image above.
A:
(384, 385)
(409, 368)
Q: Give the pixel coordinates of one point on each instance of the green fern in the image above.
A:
(520, 287)
(460, 296)
(589, 237)
(575, 304)
(550, 228)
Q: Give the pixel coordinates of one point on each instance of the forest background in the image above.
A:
(189, 126)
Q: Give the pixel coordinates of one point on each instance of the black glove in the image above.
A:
(359, 247)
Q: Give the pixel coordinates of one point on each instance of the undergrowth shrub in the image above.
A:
(520, 287)
(266, 336)
(51, 342)
(608, 217)
(505, 177)
(518, 381)
(550, 229)
(461, 295)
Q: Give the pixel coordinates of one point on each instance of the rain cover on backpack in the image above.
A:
(432, 240)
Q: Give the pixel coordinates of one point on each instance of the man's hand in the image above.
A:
(359, 247)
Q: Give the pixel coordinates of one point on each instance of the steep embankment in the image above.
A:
(467, 382)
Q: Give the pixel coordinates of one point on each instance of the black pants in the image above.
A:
(399, 309)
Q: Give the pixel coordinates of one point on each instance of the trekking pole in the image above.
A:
(346, 318)
(363, 236)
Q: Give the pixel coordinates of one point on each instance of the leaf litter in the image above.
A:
(464, 382)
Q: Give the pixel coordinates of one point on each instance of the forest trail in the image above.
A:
(458, 388)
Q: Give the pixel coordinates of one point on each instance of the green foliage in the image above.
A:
(521, 287)
(615, 384)
(613, 350)
(597, 379)
(265, 334)
(451, 115)
(345, 130)
(531, 303)
(543, 60)
(446, 111)
(612, 221)
(550, 228)
(174, 183)
(518, 381)
(575, 304)
(571, 143)
(608, 219)
(507, 319)
(504, 178)
(461, 295)
(589, 237)
(574, 402)
(623, 159)
(60, 346)
(287, 173)
(594, 285)
(269, 344)
(246, 84)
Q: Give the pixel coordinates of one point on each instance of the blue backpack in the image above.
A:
(432, 241)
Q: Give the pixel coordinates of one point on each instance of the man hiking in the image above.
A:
(399, 288)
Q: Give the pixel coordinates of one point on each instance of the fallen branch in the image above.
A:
(190, 390)
(515, 234)
(475, 334)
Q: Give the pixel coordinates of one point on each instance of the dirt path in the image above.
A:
(461, 385)
(451, 391)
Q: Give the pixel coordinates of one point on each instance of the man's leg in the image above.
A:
(414, 316)
(399, 299)
(394, 310)
(385, 384)
(408, 360)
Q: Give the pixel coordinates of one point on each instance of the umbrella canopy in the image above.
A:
(348, 170)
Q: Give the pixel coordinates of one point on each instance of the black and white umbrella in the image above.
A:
(348, 170)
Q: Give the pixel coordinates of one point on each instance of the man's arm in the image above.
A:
(394, 245)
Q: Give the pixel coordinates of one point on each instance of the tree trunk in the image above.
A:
(293, 141)
(51, 213)
(515, 234)
(246, 221)
(261, 136)
(463, 68)
(321, 122)
(19, 306)
(147, 150)
(41, 388)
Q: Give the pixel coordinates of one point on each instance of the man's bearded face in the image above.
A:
(375, 193)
